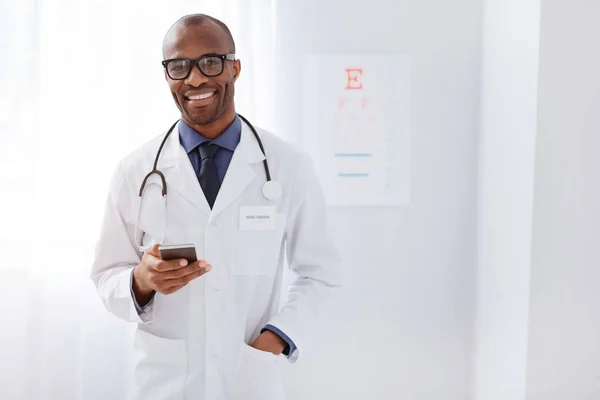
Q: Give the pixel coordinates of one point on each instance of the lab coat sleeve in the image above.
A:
(116, 255)
(314, 259)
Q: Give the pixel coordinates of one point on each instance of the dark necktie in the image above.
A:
(209, 180)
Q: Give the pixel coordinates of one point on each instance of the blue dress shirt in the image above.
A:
(228, 141)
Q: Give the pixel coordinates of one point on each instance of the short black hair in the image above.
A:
(198, 19)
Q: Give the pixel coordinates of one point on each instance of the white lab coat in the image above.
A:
(194, 343)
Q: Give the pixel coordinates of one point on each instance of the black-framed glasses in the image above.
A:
(210, 65)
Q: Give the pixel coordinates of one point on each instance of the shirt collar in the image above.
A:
(229, 139)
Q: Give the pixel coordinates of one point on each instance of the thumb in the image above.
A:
(154, 250)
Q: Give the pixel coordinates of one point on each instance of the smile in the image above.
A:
(200, 96)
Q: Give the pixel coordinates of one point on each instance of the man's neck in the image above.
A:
(215, 128)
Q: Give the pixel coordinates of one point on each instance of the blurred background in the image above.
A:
(481, 284)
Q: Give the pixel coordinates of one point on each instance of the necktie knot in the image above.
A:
(208, 150)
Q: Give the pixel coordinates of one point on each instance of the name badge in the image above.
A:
(258, 218)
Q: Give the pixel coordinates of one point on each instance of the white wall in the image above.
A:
(538, 335)
(506, 161)
(564, 329)
(405, 331)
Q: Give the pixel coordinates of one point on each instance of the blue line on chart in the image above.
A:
(353, 175)
(353, 155)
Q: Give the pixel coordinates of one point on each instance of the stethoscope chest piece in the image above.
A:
(272, 190)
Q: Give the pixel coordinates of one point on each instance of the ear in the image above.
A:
(237, 69)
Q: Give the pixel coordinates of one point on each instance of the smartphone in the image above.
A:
(178, 251)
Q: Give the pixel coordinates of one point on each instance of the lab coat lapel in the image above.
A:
(180, 175)
(241, 171)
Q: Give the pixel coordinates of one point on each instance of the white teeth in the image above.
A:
(201, 96)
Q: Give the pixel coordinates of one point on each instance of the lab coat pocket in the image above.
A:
(160, 367)
(258, 376)
(257, 252)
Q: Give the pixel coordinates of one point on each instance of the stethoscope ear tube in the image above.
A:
(162, 178)
(155, 168)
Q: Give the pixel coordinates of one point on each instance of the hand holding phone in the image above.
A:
(166, 275)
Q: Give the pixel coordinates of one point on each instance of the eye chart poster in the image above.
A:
(356, 112)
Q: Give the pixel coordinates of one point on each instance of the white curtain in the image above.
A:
(81, 86)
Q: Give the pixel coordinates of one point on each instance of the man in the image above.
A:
(212, 329)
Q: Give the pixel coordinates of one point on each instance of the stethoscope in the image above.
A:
(271, 189)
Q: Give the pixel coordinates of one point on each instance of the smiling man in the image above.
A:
(205, 99)
(213, 328)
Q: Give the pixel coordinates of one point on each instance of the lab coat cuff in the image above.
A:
(146, 313)
(290, 347)
(278, 323)
(140, 309)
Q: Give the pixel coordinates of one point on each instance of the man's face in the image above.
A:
(201, 99)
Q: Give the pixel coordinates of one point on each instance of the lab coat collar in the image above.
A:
(180, 175)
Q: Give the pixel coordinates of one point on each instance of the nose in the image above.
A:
(196, 78)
